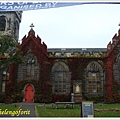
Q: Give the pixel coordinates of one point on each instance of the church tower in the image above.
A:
(11, 20)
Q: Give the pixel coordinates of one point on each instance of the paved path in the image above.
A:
(28, 110)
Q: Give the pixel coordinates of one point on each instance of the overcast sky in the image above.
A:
(80, 26)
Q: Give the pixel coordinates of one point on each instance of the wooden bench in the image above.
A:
(66, 104)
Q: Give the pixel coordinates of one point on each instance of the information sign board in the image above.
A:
(87, 109)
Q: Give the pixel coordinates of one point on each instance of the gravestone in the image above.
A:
(77, 93)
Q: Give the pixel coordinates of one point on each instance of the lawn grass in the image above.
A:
(9, 107)
(106, 106)
(49, 111)
(107, 113)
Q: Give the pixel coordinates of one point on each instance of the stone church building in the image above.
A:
(50, 75)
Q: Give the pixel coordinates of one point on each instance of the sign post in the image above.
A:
(87, 109)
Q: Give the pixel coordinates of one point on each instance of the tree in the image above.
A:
(10, 52)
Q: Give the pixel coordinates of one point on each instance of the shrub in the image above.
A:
(61, 98)
(41, 98)
(96, 99)
(17, 98)
(38, 98)
(2, 97)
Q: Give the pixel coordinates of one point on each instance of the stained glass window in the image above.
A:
(94, 79)
(60, 78)
(30, 65)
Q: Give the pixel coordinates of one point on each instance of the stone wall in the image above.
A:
(22, 72)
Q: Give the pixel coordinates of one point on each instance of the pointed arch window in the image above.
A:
(5, 78)
(2, 23)
(94, 78)
(60, 78)
(30, 67)
(31, 61)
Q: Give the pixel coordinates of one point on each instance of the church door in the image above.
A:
(29, 93)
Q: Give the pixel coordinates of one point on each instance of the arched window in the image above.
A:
(2, 23)
(5, 78)
(94, 78)
(30, 65)
(30, 69)
(60, 78)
